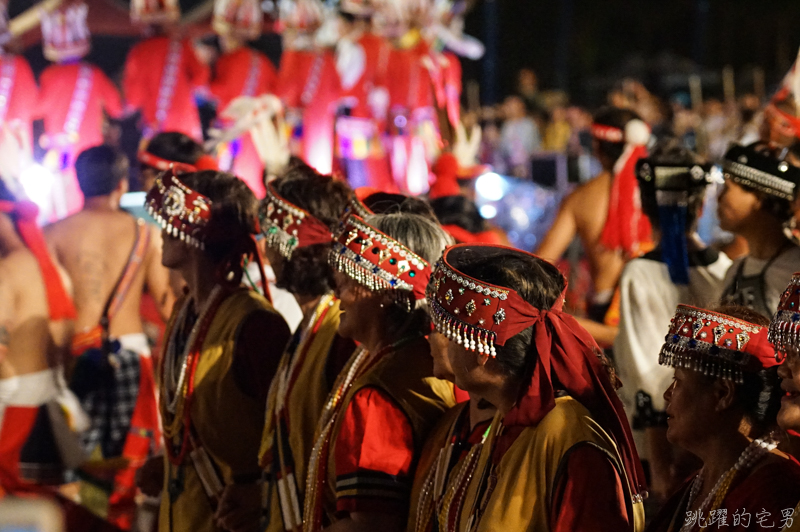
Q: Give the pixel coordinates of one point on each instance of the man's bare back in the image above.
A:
(94, 246)
(583, 213)
(29, 342)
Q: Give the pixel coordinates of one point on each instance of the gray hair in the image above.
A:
(424, 237)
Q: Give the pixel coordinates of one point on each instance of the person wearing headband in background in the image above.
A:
(298, 217)
(605, 213)
(170, 148)
(681, 269)
(722, 406)
(222, 348)
(112, 258)
(386, 399)
(559, 455)
(754, 204)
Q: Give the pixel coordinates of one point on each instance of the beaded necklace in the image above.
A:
(176, 403)
(444, 488)
(359, 364)
(756, 450)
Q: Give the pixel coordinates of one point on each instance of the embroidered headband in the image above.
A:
(288, 227)
(746, 166)
(784, 329)
(715, 344)
(473, 313)
(181, 211)
(377, 260)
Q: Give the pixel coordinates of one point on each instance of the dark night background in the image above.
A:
(582, 46)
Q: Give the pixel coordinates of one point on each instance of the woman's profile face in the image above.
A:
(361, 308)
(789, 372)
(691, 408)
(464, 365)
(442, 369)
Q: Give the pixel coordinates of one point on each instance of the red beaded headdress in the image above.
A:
(377, 260)
(161, 164)
(715, 344)
(181, 211)
(473, 313)
(784, 330)
(288, 227)
(65, 33)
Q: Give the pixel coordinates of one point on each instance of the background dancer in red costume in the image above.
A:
(240, 71)
(73, 97)
(162, 73)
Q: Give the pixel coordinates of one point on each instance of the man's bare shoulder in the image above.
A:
(18, 266)
(588, 193)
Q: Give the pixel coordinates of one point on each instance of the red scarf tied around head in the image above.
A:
(567, 354)
(626, 226)
(25, 213)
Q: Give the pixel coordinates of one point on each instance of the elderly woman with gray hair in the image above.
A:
(386, 398)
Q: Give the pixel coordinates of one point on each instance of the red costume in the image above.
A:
(308, 83)
(244, 72)
(18, 91)
(160, 77)
(359, 131)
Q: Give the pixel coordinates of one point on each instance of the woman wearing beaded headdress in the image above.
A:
(216, 365)
(386, 398)
(784, 333)
(722, 407)
(299, 215)
(559, 455)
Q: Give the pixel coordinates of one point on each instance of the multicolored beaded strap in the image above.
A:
(715, 344)
(288, 227)
(784, 330)
(378, 261)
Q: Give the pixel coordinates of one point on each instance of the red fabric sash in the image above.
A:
(58, 301)
(567, 354)
(626, 228)
(463, 236)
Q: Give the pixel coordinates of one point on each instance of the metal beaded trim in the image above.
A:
(784, 332)
(693, 352)
(364, 272)
(277, 236)
(472, 337)
(759, 179)
(172, 205)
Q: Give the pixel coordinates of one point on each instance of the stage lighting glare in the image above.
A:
(491, 186)
(488, 211)
(37, 182)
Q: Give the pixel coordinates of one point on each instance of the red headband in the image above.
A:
(607, 133)
(784, 330)
(789, 125)
(59, 303)
(479, 315)
(288, 227)
(377, 260)
(179, 210)
(716, 344)
(204, 162)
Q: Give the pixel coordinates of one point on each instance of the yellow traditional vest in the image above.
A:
(228, 423)
(437, 440)
(407, 376)
(526, 475)
(304, 400)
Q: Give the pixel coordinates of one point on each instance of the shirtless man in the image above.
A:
(96, 246)
(35, 325)
(584, 214)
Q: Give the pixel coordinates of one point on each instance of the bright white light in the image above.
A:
(38, 182)
(491, 186)
(519, 215)
(488, 211)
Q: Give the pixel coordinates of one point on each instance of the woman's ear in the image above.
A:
(725, 394)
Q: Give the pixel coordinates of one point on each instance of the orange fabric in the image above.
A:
(59, 302)
(142, 79)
